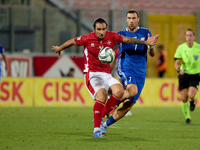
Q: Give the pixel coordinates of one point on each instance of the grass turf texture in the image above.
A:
(71, 129)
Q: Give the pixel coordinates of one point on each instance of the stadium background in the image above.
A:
(28, 29)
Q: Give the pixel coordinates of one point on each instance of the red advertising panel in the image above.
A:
(17, 67)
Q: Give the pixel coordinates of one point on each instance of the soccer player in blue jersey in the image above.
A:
(132, 65)
(2, 52)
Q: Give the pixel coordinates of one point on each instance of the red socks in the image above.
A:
(98, 108)
(110, 105)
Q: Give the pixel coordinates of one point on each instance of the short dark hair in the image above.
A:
(160, 47)
(190, 30)
(72, 69)
(132, 11)
(99, 20)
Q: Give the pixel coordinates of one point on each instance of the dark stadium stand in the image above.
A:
(184, 7)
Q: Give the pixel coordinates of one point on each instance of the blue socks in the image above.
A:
(110, 121)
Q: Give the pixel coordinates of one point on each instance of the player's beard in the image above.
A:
(101, 37)
(132, 27)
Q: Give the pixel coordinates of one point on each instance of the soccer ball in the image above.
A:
(106, 55)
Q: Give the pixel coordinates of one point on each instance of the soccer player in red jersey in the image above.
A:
(97, 75)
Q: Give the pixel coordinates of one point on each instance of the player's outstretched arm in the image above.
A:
(150, 41)
(5, 60)
(58, 49)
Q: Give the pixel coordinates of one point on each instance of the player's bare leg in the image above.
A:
(131, 91)
(121, 112)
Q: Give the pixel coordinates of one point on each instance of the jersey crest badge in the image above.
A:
(196, 57)
(109, 42)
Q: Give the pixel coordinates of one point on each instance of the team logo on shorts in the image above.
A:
(195, 57)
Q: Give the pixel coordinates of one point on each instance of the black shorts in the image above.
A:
(186, 80)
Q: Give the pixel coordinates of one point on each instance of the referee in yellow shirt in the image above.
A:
(187, 64)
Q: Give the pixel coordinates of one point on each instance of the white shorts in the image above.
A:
(97, 80)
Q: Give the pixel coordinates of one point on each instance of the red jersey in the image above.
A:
(92, 45)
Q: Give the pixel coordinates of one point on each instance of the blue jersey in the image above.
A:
(133, 57)
(2, 51)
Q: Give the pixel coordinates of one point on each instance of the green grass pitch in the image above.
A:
(71, 128)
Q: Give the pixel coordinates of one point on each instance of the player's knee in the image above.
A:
(101, 95)
(117, 90)
(191, 96)
(133, 91)
(119, 93)
(184, 99)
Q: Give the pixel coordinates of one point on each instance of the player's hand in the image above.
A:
(181, 72)
(152, 40)
(56, 50)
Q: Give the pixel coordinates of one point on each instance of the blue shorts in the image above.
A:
(129, 78)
